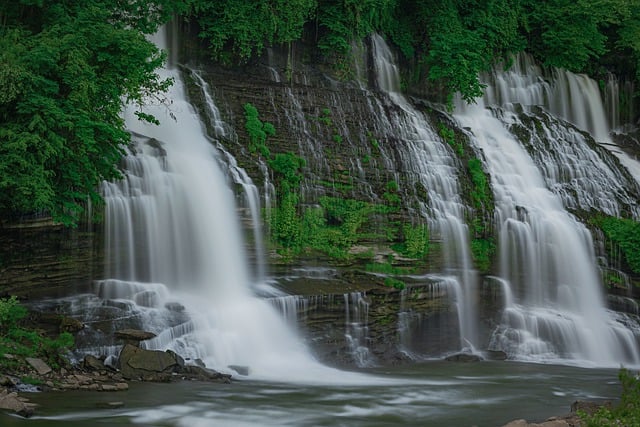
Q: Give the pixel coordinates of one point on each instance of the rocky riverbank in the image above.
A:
(92, 374)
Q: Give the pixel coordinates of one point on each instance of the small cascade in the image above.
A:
(356, 328)
(575, 98)
(432, 163)
(422, 331)
(555, 311)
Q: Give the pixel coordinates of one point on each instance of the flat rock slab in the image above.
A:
(39, 365)
(134, 334)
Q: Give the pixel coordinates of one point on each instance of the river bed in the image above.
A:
(484, 394)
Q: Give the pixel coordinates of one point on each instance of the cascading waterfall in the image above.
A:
(555, 309)
(356, 325)
(174, 238)
(434, 165)
(572, 97)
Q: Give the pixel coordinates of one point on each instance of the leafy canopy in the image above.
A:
(66, 70)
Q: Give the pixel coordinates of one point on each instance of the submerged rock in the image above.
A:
(463, 357)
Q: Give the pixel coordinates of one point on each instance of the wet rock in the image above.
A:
(134, 336)
(7, 381)
(148, 365)
(496, 355)
(205, 374)
(11, 402)
(174, 306)
(463, 358)
(69, 324)
(92, 363)
(38, 364)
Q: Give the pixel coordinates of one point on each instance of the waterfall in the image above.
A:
(176, 254)
(572, 97)
(555, 309)
(434, 165)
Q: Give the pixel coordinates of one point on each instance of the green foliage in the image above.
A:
(66, 70)
(481, 193)
(341, 21)
(23, 342)
(450, 137)
(482, 251)
(626, 413)
(238, 29)
(392, 282)
(11, 312)
(286, 227)
(624, 234)
(257, 130)
(415, 241)
(384, 268)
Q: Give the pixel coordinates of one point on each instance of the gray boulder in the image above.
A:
(148, 365)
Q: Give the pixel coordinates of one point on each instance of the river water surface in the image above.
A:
(483, 394)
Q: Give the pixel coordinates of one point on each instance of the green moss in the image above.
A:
(394, 283)
(623, 234)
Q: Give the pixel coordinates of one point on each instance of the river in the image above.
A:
(437, 393)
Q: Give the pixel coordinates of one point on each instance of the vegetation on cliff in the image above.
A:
(67, 69)
(18, 342)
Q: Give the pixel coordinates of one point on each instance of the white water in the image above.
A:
(173, 236)
(435, 166)
(556, 311)
(573, 97)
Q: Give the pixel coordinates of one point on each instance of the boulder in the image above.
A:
(92, 363)
(205, 374)
(148, 365)
(11, 402)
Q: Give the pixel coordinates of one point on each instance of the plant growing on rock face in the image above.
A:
(257, 130)
(623, 234)
(22, 342)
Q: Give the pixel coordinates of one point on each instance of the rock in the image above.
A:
(108, 387)
(134, 336)
(39, 365)
(204, 374)
(149, 365)
(93, 363)
(6, 381)
(11, 402)
(463, 357)
(496, 355)
(121, 386)
(179, 360)
(174, 306)
(69, 324)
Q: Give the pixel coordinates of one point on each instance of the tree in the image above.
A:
(66, 70)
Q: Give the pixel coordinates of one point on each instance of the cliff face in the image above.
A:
(41, 259)
(368, 164)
